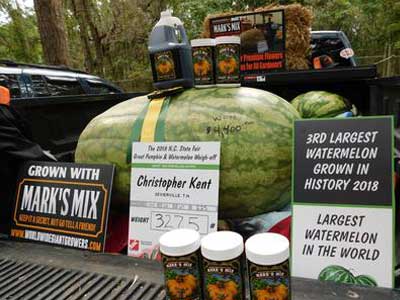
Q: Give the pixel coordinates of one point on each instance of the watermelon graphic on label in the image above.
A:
(366, 280)
(340, 274)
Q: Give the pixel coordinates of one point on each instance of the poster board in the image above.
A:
(262, 37)
(343, 201)
(173, 185)
(64, 204)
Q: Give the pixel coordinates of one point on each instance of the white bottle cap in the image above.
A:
(167, 19)
(179, 242)
(267, 249)
(166, 13)
(202, 42)
(231, 39)
(222, 245)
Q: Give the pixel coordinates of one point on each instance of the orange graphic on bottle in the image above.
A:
(165, 67)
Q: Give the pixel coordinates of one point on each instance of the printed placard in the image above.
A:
(173, 185)
(262, 36)
(343, 201)
(64, 204)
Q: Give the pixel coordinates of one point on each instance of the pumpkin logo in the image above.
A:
(222, 290)
(272, 292)
(202, 64)
(202, 68)
(165, 66)
(182, 287)
(227, 66)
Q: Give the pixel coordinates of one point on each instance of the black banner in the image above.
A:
(63, 203)
(262, 36)
(344, 161)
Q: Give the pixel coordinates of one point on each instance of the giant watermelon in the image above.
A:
(254, 127)
(321, 104)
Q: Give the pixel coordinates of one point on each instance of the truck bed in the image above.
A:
(31, 271)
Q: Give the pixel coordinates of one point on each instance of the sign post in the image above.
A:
(343, 201)
(173, 185)
(63, 204)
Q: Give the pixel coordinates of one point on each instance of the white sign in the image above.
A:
(173, 185)
(349, 237)
(343, 201)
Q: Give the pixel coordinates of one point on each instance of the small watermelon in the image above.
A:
(366, 280)
(321, 104)
(337, 274)
(254, 127)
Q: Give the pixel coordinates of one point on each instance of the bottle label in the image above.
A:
(228, 63)
(223, 280)
(182, 277)
(164, 65)
(269, 282)
(203, 66)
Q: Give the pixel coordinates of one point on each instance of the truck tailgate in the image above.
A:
(30, 271)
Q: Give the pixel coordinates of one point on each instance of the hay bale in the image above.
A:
(250, 38)
(298, 21)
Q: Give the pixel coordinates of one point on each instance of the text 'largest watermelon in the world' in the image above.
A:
(254, 127)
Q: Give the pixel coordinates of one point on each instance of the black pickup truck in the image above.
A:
(58, 121)
(50, 272)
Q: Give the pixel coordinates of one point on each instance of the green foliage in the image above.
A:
(19, 38)
(373, 28)
(119, 51)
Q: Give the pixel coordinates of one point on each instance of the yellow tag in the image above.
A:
(150, 120)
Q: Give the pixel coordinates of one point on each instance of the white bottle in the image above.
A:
(227, 61)
(203, 62)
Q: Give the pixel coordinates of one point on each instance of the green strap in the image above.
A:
(160, 127)
(136, 130)
(138, 124)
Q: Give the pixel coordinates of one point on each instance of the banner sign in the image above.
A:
(262, 36)
(343, 201)
(65, 204)
(173, 185)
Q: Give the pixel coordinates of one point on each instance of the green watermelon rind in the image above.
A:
(366, 280)
(336, 274)
(320, 104)
(255, 173)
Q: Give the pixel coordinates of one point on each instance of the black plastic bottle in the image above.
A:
(170, 54)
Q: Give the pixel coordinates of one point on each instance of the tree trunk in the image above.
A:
(79, 13)
(84, 11)
(51, 25)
